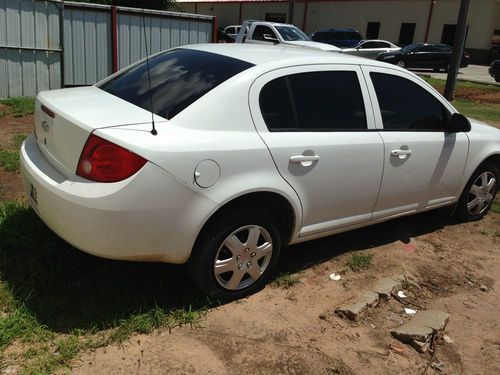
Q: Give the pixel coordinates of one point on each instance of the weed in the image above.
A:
(495, 206)
(18, 139)
(286, 280)
(360, 261)
(9, 160)
(21, 106)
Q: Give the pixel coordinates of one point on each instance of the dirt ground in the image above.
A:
(294, 330)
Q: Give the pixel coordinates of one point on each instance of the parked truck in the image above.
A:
(261, 32)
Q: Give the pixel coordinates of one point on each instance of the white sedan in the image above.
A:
(252, 147)
(371, 48)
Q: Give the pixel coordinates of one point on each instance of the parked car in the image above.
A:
(337, 37)
(222, 37)
(494, 70)
(253, 147)
(263, 32)
(371, 48)
(423, 55)
(232, 30)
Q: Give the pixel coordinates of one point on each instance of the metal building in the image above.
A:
(48, 44)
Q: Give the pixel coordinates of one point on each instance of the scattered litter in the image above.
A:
(402, 294)
(437, 366)
(397, 348)
(410, 312)
(373, 325)
(447, 339)
(483, 288)
(335, 277)
(410, 248)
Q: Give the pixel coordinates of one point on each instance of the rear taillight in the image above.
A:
(103, 161)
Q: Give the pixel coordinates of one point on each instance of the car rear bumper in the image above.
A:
(150, 216)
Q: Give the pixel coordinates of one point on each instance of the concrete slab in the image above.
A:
(356, 310)
(421, 326)
(384, 287)
(473, 73)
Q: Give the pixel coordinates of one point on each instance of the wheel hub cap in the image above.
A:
(481, 193)
(243, 257)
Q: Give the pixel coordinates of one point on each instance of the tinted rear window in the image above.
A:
(178, 78)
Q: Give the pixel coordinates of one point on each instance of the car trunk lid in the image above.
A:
(65, 118)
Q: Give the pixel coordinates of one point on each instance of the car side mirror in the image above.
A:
(269, 38)
(459, 123)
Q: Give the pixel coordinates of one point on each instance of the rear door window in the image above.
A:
(179, 77)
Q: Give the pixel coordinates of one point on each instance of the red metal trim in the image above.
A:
(305, 15)
(429, 19)
(114, 37)
(215, 26)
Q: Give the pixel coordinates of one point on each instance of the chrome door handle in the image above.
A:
(303, 158)
(401, 153)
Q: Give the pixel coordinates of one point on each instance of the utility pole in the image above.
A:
(458, 50)
(291, 9)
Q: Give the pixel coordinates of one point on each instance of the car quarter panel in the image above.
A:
(127, 220)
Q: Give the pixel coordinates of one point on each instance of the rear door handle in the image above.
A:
(401, 153)
(303, 158)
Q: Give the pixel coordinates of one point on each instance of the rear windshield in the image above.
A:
(178, 78)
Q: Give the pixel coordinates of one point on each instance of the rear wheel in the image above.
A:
(235, 255)
(479, 193)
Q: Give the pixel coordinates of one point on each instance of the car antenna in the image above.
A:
(153, 130)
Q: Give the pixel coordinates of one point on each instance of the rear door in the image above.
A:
(423, 162)
(318, 125)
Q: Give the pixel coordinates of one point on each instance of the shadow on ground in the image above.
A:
(67, 289)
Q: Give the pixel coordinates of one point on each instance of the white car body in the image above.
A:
(219, 150)
(371, 48)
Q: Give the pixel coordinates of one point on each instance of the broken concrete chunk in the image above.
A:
(420, 346)
(356, 310)
(384, 287)
(421, 326)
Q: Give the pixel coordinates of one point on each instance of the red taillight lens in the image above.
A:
(103, 161)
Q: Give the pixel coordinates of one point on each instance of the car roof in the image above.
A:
(258, 54)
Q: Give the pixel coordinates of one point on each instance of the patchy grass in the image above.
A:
(9, 160)
(359, 262)
(56, 301)
(286, 280)
(439, 84)
(479, 111)
(495, 206)
(18, 107)
(18, 139)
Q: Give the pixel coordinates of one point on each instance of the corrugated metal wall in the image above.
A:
(30, 47)
(32, 31)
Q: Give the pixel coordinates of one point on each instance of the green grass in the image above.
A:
(495, 206)
(439, 84)
(359, 262)
(18, 107)
(9, 160)
(56, 301)
(286, 280)
(18, 139)
(479, 111)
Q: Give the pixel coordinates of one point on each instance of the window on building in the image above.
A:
(448, 34)
(372, 30)
(276, 17)
(320, 101)
(416, 110)
(406, 34)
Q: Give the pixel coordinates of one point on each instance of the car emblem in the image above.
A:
(45, 126)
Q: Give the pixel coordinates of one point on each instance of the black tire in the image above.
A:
(401, 64)
(210, 245)
(462, 211)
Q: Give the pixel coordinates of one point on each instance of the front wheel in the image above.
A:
(401, 64)
(479, 193)
(236, 254)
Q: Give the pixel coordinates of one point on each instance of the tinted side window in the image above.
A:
(370, 45)
(276, 106)
(315, 101)
(407, 106)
